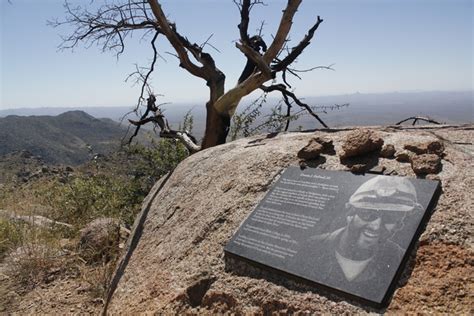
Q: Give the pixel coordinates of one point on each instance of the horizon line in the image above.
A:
(180, 103)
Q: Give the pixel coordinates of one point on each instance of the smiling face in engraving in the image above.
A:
(368, 228)
(375, 211)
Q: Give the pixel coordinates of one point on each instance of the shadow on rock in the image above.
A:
(245, 268)
(313, 163)
(361, 164)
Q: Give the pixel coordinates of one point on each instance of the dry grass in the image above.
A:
(32, 258)
(98, 278)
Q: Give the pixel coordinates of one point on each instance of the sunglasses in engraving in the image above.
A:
(370, 215)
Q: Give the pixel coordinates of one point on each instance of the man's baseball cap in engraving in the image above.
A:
(385, 193)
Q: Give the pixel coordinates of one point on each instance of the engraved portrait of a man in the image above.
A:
(352, 256)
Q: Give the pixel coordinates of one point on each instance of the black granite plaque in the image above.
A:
(349, 233)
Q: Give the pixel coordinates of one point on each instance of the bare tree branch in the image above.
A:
(283, 30)
(150, 71)
(159, 119)
(175, 40)
(108, 27)
(206, 42)
(312, 68)
(244, 7)
(282, 89)
(244, 21)
(418, 118)
(251, 79)
(255, 58)
(297, 50)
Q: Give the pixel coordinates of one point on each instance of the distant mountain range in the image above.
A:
(69, 138)
(65, 138)
(364, 109)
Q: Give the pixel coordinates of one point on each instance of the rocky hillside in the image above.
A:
(178, 265)
(67, 138)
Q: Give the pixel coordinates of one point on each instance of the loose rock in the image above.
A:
(311, 151)
(378, 169)
(388, 150)
(358, 168)
(328, 146)
(315, 147)
(426, 163)
(431, 147)
(404, 156)
(100, 239)
(360, 142)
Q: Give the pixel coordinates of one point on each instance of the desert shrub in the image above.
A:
(156, 160)
(34, 263)
(113, 186)
(89, 197)
(97, 278)
(251, 120)
(36, 256)
(10, 236)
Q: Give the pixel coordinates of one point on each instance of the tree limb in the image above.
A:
(419, 118)
(108, 27)
(283, 30)
(255, 58)
(227, 103)
(186, 139)
(297, 50)
(175, 41)
(147, 76)
(282, 89)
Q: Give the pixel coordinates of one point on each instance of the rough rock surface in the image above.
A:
(178, 266)
(360, 142)
(430, 147)
(311, 151)
(315, 147)
(426, 163)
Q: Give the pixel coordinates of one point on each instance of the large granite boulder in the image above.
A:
(178, 264)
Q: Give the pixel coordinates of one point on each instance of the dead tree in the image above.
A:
(113, 22)
(165, 131)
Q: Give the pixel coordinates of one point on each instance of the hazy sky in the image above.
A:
(376, 46)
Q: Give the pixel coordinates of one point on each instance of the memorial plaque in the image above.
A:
(348, 233)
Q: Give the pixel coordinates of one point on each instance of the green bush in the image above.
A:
(117, 192)
(88, 197)
(158, 159)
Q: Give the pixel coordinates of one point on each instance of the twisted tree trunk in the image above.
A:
(217, 123)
